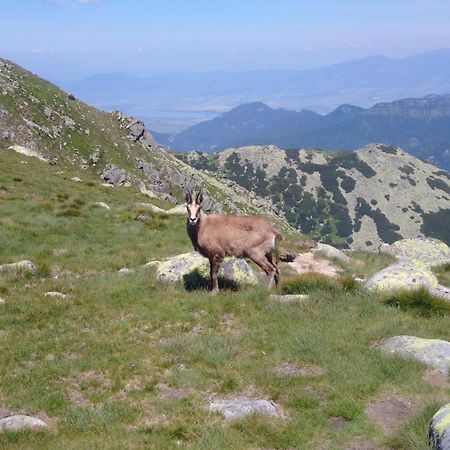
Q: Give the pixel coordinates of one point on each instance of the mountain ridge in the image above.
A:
(420, 125)
(201, 96)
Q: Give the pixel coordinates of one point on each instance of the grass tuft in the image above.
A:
(419, 301)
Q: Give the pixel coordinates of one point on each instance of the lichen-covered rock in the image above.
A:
(431, 352)
(439, 432)
(179, 210)
(21, 266)
(406, 275)
(237, 408)
(429, 251)
(21, 422)
(330, 252)
(26, 151)
(175, 268)
(114, 175)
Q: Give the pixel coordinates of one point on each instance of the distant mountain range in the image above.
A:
(420, 126)
(173, 102)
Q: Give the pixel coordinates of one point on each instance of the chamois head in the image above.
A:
(193, 207)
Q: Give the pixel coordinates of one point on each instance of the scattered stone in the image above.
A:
(76, 179)
(114, 175)
(389, 411)
(288, 298)
(431, 352)
(21, 422)
(21, 266)
(2, 301)
(54, 294)
(146, 191)
(150, 207)
(179, 210)
(48, 112)
(307, 370)
(125, 270)
(176, 268)
(26, 151)
(330, 252)
(141, 218)
(237, 408)
(439, 431)
(102, 205)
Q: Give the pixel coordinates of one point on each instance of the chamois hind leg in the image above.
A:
(261, 260)
(214, 263)
(274, 263)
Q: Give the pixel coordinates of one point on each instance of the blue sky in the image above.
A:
(69, 39)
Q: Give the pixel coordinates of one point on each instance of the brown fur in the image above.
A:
(216, 236)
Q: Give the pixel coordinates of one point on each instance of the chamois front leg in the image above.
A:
(215, 262)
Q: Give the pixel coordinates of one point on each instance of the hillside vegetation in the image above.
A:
(358, 199)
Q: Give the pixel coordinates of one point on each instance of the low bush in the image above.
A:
(419, 301)
(308, 282)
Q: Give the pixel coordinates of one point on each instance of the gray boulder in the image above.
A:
(21, 422)
(176, 268)
(431, 352)
(114, 175)
(21, 266)
(439, 431)
(239, 407)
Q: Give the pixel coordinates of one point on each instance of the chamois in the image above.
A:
(216, 236)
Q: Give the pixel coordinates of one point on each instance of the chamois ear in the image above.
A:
(199, 198)
(188, 198)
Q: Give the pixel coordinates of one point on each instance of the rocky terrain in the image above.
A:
(38, 119)
(358, 199)
(419, 125)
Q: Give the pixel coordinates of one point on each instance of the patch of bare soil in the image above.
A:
(437, 378)
(306, 370)
(169, 393)
(4, 412)
(309, 262)
(87, 383)
(338, 422)
(361, 444)
(390, 410)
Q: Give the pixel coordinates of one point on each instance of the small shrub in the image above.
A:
(419, 301)
(70, 212)
(348, 283)
(18, 179)
(308, 282)
(443, 274)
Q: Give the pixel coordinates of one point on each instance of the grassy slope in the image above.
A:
(92, 363)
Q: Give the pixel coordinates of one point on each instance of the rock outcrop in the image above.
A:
(176, 268)
(238, 408)
(415, 257)
(431, 352)
(439, 431)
